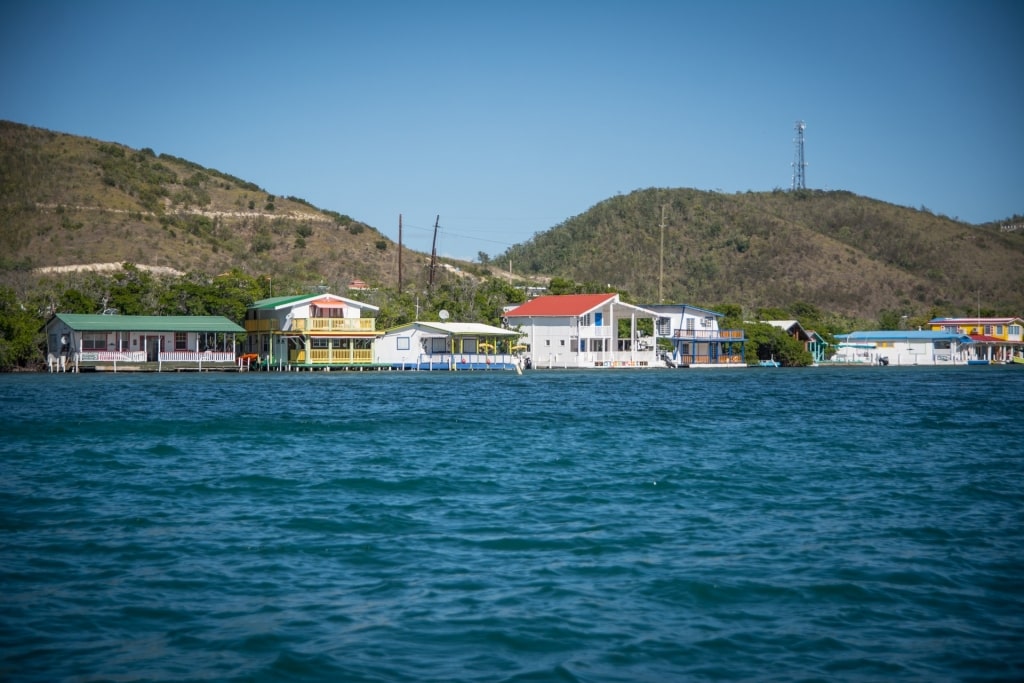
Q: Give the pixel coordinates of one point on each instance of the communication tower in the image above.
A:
(799, 181)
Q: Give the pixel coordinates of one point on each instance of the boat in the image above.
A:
(1018, 360)
(771, 363)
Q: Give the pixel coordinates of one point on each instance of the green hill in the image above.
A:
(833, 250)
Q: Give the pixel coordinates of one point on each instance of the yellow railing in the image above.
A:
(303, 325)
(333, 356)
(334, 324)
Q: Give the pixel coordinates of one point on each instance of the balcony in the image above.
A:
(314, 325)
(708, 335)
(327, 325)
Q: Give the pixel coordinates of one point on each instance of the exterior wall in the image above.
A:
(580, 342)
(696, 338)
(66, 346)
(903, 352)
(414, 349)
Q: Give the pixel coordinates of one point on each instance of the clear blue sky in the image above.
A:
(506, 118)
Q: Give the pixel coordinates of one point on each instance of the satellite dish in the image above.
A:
(442, 314)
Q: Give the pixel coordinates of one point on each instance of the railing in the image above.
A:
(334, 324)
(196, 357)
(708, 334)
(261, 325)
(724, 359)
(333, 356)
(113, 356)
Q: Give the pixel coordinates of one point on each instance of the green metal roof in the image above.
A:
(276, 301)
(148, 323)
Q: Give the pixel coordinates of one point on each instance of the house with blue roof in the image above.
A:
(904, 347)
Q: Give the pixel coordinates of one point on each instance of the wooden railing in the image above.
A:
(303, 325)
(333, 356)
(334, 324)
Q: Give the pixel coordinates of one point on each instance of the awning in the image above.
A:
(328, 303)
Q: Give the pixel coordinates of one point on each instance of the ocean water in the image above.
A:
(680, 525)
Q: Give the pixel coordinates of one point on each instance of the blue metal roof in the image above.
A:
(903, 335)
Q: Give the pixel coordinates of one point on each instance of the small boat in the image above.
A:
(772, 363)
(1018, 360)
(978, 361)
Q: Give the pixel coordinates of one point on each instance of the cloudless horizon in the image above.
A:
(506, 119)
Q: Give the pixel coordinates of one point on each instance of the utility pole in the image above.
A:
(661, 258)
(399, 253)
(433, 254)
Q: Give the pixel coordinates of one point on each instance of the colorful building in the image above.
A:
(311, 331)
(996, 340)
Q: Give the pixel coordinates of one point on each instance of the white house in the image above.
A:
(311, 331)
(903, 347)
(446, 346)
(697, 341)
(584, 331)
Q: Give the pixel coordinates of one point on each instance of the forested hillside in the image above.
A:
(834, 250)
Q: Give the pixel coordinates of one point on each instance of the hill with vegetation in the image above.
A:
(68, 201)
(88, 225)
(834, 251)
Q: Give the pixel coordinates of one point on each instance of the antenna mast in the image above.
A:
(433, 254)
(799, 181)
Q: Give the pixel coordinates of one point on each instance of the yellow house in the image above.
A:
(311, 331)
(997, 340)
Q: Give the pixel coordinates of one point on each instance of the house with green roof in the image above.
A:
(311, 331)
(76, 341)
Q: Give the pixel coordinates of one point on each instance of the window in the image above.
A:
(1014, 330)
(181, 341)
(988, 330)
(438, 345)
(664, 327)
(585, 320)
(402, 343)
(94, 341)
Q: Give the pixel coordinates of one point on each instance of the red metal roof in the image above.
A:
(560, 305)
(985, 338)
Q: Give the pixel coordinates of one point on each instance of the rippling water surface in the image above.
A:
(762, 524)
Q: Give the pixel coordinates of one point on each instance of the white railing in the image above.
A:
(197, 357)
(113, 356)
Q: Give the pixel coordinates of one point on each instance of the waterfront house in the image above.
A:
(817, 346)
(446, 346)
(310, 331)
(996, 340)
(903, 347)
(697, 341)
(77, 341)
(585, 331)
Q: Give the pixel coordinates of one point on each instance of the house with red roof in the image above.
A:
(311, 331)
(585, 331)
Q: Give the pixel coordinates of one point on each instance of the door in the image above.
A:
(152, 349)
